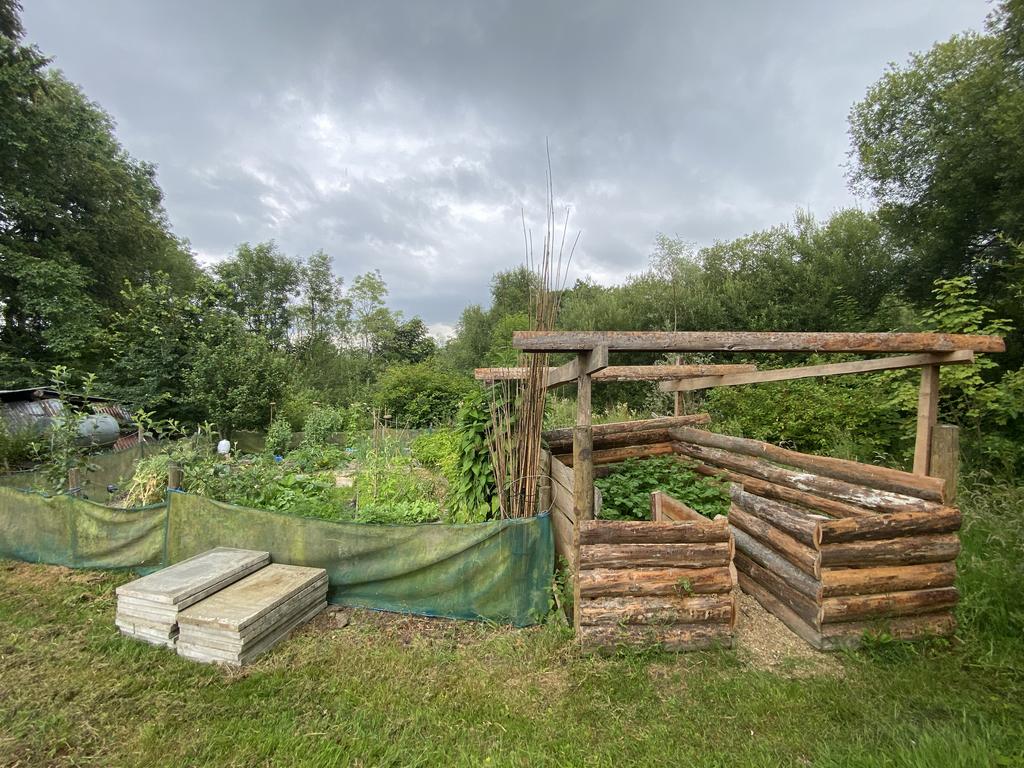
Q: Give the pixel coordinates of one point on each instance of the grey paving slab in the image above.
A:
(247, 600)
(261, 646)
(152, 637)
(190, 581)
(235, 641)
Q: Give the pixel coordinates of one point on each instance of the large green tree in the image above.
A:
(938, 143)
(78, 216)
(261, 282)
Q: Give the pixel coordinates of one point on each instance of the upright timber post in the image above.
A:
(544, 489)
(583, 459)
(927, 414)
(945, 457)
(678, 397)
(74, 482)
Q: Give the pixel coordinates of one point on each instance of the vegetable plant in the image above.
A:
(626, 492)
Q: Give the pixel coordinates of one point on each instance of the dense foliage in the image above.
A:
(626, 491)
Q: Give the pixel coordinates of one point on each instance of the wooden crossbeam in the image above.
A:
(625, 372)
(827, 369)
(595, 360)
(749, 341)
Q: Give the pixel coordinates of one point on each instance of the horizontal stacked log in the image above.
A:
(833, 580)
(618, 433)
(655, 583)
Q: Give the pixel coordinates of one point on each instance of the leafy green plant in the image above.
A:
(279, 437)
(626, 492)
(390, 488)
(15, 447)
(472, 497)
(399, 512)
(435, 448)
(321, 425)
(62, 447)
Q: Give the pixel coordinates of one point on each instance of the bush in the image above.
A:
(399, 512)
(296, 407)
(358, 417)
(321, 424)
(435, 449)
(279, 437)
(16, 448)
(854, 417)
(420, 395)
(627, 490)
(391, 489)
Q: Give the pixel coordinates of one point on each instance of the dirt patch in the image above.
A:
(50, 575)
(766, 643)
(345, 478)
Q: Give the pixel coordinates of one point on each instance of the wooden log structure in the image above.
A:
(667, 584)
(665, 509)
(928, 359)
(750, 341)
(562, 515)
(834, 548)
(618, 373)
(880, 478)
(639, 432)
(848, 493)
(616, 455)
(833, 580)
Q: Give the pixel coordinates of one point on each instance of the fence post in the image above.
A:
(927, 412)
(544, 482)
(75, 481)
(945, 457)
(174, 475)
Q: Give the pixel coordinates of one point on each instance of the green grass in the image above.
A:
(397, 691)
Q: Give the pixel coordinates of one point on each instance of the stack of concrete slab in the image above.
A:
(251, 616)
(148, 608)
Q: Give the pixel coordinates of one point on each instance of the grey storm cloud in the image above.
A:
(409, 137)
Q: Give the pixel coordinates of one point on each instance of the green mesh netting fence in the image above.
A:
(498, 571)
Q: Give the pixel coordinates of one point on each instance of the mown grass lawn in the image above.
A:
(395, 691)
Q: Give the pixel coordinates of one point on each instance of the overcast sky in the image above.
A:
(409, 136)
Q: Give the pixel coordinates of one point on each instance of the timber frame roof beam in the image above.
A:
(628, 372)
(749, 341)
(828, 369)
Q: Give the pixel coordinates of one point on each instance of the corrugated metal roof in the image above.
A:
(35, 408)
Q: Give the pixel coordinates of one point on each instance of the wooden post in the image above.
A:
(927, 413)
(678, 397)
(75, 481)
(544, 482)
(945, 457)
(174, 475)
(583, 474)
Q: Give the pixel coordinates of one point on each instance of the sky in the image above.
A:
(410, 136)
